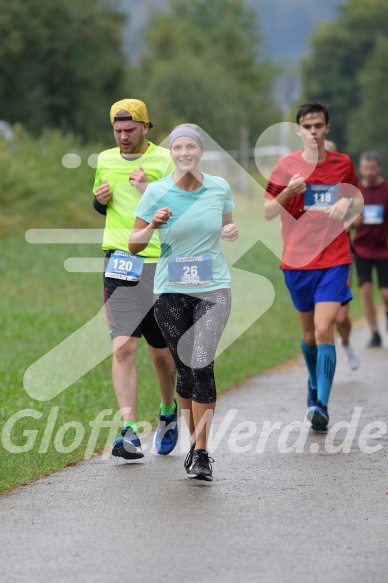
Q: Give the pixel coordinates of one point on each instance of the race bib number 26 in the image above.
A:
(190, 270)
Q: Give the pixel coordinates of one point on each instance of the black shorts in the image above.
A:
(129, 307)
(364, 270)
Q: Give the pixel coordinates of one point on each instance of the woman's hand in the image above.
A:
(161, 217)
(229, 232)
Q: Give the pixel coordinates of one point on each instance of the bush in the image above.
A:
(38, 191)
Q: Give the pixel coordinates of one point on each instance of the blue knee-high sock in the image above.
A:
(325, 371)
(310, 357)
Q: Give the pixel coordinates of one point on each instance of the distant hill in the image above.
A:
(286, 25)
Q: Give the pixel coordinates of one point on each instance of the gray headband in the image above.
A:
(184, 132)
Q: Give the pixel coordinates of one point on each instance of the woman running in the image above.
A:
(191, 211)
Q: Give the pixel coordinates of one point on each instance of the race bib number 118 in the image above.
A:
(320, 197)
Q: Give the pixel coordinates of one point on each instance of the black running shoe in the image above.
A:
(189, 457)
(375, 341)
(201, 468)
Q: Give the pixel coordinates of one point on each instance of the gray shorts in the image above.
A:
(129, 307)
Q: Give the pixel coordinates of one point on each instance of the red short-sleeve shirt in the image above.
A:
(310, 239)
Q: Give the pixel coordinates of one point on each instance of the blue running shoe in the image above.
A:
(127, 446)
(311, 396)
(319, 417)
(167, 432)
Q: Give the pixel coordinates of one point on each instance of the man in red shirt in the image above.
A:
(315, 192)
(371, 239)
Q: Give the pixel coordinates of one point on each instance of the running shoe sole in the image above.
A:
(205, 477)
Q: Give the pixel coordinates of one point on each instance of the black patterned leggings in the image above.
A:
(192, 326)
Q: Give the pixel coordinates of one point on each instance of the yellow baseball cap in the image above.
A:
(136, 108)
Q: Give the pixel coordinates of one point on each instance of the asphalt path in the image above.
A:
(286, 504)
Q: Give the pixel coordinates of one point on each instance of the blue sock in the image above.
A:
(325, 371)
(310, 357)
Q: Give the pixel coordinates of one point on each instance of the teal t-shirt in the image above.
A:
(191, 259)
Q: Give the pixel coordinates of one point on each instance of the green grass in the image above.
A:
(42, 304)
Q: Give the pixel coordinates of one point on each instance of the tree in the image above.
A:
(368, 124)
(340, 52)
(203, 63)
(60, 64)
(198, 97)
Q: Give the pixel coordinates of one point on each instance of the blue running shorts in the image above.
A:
(311, 286)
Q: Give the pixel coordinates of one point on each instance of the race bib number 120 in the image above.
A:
(123, 265)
